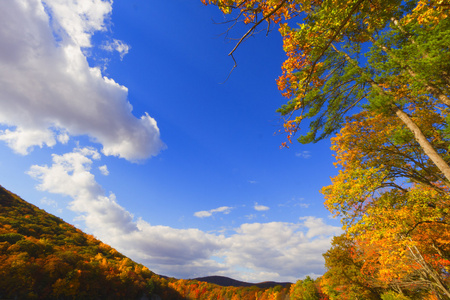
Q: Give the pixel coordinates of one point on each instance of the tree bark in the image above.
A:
(424, 143)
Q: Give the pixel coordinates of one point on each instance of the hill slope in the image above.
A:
(43, 257)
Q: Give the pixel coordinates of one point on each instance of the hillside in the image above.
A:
(43, 257)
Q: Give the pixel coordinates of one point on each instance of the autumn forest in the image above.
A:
(373, 76)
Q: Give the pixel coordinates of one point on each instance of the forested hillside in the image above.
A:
(43, 257)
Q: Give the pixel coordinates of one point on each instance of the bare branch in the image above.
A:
(234, 67)
(257, 24)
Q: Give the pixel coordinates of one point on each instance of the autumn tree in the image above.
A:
(344, 278)
(326, 74)
(305, 289)
(392, 203)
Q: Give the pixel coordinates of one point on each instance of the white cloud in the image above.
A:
(77, 20)
(317, 227)
(70, 175)
(118, 46)
(21, 140)
(63, 138)
(288, 251)
(47, 86)
(104, 170)
(253, 251)
(259, 207)
(203, 214)
(303, 154)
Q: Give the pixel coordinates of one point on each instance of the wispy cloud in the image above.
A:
(250, 217)
(208, 213)
(295, 202)
(303, 154)
(259, 207)
(49, 202)
(116, 45)
(49, 92)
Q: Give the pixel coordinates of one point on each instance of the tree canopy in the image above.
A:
(375, 77)
(385, 56)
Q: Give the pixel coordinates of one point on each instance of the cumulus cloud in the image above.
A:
(252, 251)
(159, 246)
(21, 140)
(104, 170)
(208, 213)
(70, 175)
(48, 91)
(286, 251)
(259, 207)
(317, 227)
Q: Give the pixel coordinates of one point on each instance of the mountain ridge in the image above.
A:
(227, 281)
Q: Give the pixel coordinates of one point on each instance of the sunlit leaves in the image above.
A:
(392, 202)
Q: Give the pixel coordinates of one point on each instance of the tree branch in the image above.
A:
(257, 24)
(424, 222)
(341, 26)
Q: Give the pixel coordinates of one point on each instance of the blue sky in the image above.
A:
(117, 118)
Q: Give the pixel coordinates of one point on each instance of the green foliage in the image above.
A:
(401, 136)
(305, 290)
(391, 295)
(11, 238)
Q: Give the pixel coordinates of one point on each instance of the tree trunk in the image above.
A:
(424, 143)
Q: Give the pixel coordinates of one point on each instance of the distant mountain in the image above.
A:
(43, 257)
(226, 281)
